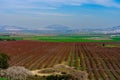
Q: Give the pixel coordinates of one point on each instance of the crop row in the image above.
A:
(101, 63)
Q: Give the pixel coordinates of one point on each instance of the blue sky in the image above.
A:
(73, 13)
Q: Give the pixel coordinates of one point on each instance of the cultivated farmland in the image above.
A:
(100, 62)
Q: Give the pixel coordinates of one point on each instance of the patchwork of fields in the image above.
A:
(101, 63)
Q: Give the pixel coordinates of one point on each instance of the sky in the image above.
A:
(73, 13)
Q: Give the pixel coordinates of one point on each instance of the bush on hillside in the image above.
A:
(4, 61)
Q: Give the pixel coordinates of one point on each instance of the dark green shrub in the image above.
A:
(103, 44)
(4, 61)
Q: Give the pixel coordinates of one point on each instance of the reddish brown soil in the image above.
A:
(100, 62)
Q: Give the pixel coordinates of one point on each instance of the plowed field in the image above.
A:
(101, 63)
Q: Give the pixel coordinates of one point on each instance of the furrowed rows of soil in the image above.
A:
(101, 63)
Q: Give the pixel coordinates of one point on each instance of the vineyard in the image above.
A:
(101, 63)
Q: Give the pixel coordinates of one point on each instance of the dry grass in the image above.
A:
(61, 69)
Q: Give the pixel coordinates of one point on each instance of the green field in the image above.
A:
(90, 38)
(75, 38)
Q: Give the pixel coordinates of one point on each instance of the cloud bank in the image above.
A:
(53, 4)
(64, 2)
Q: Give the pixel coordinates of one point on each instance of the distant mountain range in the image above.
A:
(59, 29)
(9, 29)
(112, 30)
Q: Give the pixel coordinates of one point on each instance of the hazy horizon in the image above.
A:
(73, 13)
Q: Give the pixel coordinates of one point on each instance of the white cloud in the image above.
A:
(38, 13)
(107, 3)
(55, 3)
(38, 5)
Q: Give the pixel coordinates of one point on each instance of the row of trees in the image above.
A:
(7, 39)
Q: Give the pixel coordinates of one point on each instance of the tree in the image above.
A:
(4, 61)
(103, 44)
